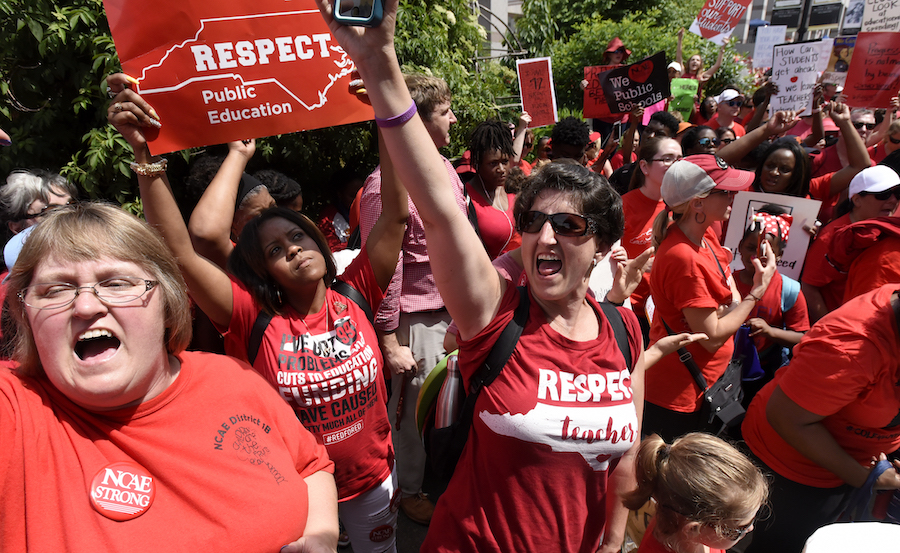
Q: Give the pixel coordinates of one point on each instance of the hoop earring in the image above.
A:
(697, 218)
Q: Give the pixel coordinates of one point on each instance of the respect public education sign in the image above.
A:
(645, 82)
(229, 70)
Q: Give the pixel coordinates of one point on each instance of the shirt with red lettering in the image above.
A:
(640, 212)
(328, 367)
(768, 308)
(546, 433)
(225, 457)
(686, 275)
(845, 369)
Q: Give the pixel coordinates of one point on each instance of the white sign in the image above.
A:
(804, 212)
(766, 39)
(794, 69)
(881, 16)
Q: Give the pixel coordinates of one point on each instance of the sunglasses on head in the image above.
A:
(707, 142)
(884, 195)
(861, 124)
(563, 224)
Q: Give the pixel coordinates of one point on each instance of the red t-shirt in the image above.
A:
(640, 212)
(738, 129)
(652, 545)
(328, 367)
(533, 475)
(617, 160)
(818, 272)
(875, 267)
(845, 369)
(496, 228)
(686, 276)
(227, 460)
(769, 309)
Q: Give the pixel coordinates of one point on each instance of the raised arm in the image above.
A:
(519, 138)
(679, 55)
(464, 275)
(881, 131)
(209, 286)
(708, 74)
(386, 238)
(759, 111)
(210, 224)
(781, 122)
(857, 155)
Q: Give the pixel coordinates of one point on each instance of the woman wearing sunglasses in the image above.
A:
(693, 289)
(873, 193)
(700, 140)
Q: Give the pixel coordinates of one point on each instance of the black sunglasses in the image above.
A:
(860, 124)
(884, 195)
(707, 142)
(735, 103)
(730, 140)
(894, 140)
(563, 224)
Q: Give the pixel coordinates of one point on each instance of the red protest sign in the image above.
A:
(229, 70)
(537, 92)
(874, 74)
(718, 18)
(594, 99)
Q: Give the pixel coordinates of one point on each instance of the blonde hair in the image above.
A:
(699, 478)
(89, 231)
(668, 216)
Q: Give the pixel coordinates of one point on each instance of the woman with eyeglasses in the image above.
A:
(641, 204)
(825, 419)
(302, 326)
(114, 437)
(693, 289)
(725, 136)
(707, 493)
(873, 193)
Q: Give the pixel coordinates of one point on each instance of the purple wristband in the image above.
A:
(397, 119)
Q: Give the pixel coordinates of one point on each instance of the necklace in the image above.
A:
(303, 319)
(506, 216)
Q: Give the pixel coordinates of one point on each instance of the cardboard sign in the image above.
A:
(683, 93)
(766, 39)
(794, 71)
(881, 16)
(594, 100)
(537, 92)
(839, 61)
(645, 82)
(804, 212)
(718, 18)
(874, 75)
(230, 70)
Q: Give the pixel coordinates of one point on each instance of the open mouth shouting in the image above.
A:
(97, 344)
(548, 264)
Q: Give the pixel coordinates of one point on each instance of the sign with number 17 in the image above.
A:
(537, 91)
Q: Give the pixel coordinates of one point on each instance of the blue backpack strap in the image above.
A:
(790, 290)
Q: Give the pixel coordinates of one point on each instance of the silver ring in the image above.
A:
(110, 93)
(118, 106)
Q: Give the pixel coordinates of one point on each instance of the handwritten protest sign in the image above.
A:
(683, 93)
(766, 39)
(645, 82)
(839, 61)
(804, 212)
(874, 75)
(229, 70)
(537, 92)
(594, 100)
(794, 71)
(718, 18)
(881, 16)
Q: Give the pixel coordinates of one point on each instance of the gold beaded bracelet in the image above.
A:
(153, 169)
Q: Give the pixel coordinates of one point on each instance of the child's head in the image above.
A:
(707, 492)
(771, 223)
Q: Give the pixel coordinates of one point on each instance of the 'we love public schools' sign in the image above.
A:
(644, 83)
(229, 70)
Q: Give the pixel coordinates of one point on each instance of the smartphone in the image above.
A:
(359, 13)
(617, 130)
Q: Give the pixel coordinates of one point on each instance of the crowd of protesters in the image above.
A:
(306, 344)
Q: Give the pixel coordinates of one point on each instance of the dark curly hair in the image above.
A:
(572, 131)
(799, 185)
(591, 193)
(248, 262)
(690, 137)
(282, 188)
(487, 137)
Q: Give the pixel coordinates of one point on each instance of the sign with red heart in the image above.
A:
(718, 18)
(794, 71)
(645, 83)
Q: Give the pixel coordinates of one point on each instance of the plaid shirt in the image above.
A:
(412, 288)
